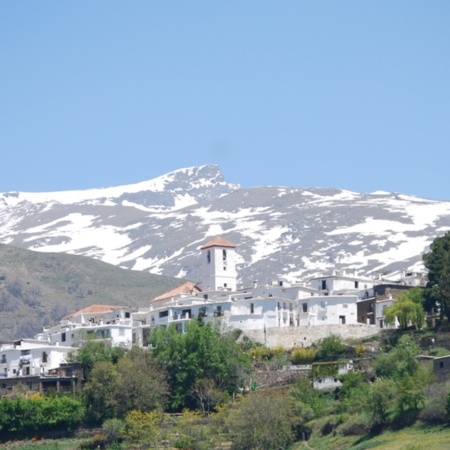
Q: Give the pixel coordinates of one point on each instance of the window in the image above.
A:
(305, 307)
(208, 256)
(224, 255)
(252, 308)
(127, 315)
(186, 313)
(3, 361)
(44, 357)
(163, 314)
(356, 285)
(63, 337)
(324, 285)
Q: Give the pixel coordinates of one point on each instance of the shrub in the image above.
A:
(113, 430)
(259, 353)
(331, 348)
(360, 349)
(433, 414)
(302, 355)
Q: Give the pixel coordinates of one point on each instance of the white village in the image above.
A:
(291, 315)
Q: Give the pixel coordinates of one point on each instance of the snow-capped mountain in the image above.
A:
(288, 233)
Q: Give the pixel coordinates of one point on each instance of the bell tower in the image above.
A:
(219, 265)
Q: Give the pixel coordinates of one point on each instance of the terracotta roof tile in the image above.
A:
(218, 242)
(94, 309)
(183, 289)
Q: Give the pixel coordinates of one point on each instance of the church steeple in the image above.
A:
(219, 266)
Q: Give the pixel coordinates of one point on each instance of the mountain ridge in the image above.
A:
(159, 225)
(38, 289)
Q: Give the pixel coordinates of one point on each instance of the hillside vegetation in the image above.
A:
(38, 289)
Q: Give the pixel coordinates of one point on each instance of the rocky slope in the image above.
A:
(159, 225)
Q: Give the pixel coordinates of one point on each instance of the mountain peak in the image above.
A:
(289, 233)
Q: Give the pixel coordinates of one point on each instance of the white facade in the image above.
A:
(30, 357)
(340, 282)
(331, 382)
(110, 323)
(219, 266)
(328, 310)
(328, 300)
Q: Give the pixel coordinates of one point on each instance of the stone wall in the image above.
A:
(272, 378)
(290, 337)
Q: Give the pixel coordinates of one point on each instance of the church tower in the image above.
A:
(219, 265)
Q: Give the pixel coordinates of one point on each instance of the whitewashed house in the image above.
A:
(30, 357)
(111, 323)
(328, 300)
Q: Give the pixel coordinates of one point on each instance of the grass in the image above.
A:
(44, 444)
(413, 438)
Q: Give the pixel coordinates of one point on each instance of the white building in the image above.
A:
(219, 265)
(30, 357)
(329, 300)
(339, 298)
(111, 323)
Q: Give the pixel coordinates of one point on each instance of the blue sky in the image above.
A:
(349, 94)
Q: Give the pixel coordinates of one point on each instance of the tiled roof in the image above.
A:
(94, 309)
(218, 242)
(183, 289)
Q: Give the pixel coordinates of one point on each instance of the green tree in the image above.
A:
(379, 400)
(410, 389)
(407, 309)
(262, 420)
(308, 402)
(399, 361)
(142, 385)
(201, 353)
(133, 383)
(353, 391)
(437, 261)
(99, 393)
(331, 348)
(93, 351)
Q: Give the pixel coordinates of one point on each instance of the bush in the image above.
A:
(331, 348)
(433, 414)
(360, 349)
(303, 355)
(113, 430)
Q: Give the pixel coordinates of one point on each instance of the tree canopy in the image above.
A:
(407, 309)
(437, 261)
(200, 353)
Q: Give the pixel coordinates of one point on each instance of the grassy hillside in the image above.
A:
(37, 289)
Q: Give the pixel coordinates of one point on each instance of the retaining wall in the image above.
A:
(290, 337)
